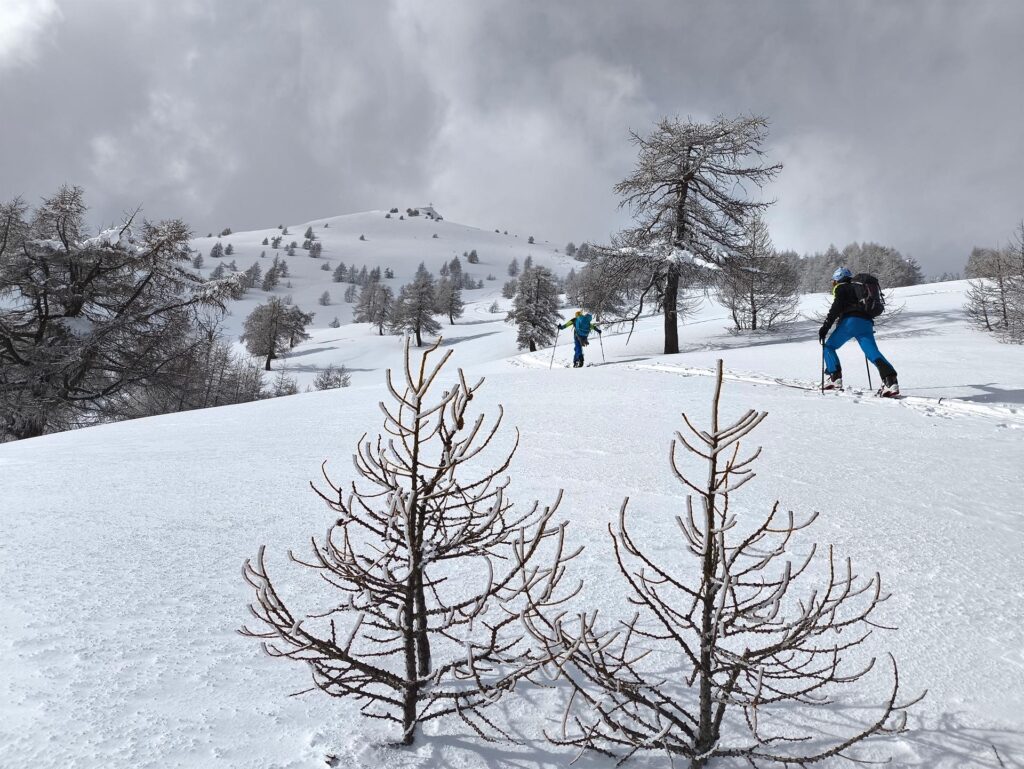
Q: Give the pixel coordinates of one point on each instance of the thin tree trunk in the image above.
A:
(706, 736)
(671, 310)
(671, 302)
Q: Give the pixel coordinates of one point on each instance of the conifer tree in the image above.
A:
(332, 378)
(690, 195)
(758, 287)
(271, 279)
(375, 305)
(449, 300)
(535, 308)
(86, 322)
(414, 309)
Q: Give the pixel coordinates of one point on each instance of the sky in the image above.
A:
(899, 123)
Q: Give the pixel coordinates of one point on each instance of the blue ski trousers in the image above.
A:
(577, 352)
(863, 330)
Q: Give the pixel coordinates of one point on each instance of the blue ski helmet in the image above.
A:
(841, 273)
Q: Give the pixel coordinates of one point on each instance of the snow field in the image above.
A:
(121, 545)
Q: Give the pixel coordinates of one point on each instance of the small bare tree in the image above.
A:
(756, 285)
(737, 633)
(432, 568)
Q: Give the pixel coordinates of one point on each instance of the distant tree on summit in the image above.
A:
(309, 233)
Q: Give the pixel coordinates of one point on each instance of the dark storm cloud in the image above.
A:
(897, 122)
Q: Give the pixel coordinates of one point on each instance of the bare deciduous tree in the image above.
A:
(756, 285)
(700, 667)
(432, 567)
(688, 196)
(995, 298)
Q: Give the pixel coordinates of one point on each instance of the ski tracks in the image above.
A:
(1003, 415)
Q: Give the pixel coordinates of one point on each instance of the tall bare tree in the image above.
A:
(689, 195)
(432, 564)
(745, 632)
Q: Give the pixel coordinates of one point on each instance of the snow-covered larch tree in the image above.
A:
(272, 327)
(448, 296)
(414, 309)
(688, 194)
(758, 287)
(85, 319)
(375, 305)
(535, 308)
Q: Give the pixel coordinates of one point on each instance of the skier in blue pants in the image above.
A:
(581, 327)
(853, 323)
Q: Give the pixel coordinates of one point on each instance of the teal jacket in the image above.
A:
(574, 322)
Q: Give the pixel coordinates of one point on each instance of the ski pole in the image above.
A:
(822, 367)
(868, 368)
(552, 363)
(601, 340)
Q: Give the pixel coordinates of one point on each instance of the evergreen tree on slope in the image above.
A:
(535, 308)
(414, 310)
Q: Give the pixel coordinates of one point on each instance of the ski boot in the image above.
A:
(834, 381)
(890, 388)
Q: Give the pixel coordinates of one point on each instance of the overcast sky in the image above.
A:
(901, 123)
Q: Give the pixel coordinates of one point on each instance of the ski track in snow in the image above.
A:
(1004, 415)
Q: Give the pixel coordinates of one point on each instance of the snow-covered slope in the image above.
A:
(121, 545)
(400, 244)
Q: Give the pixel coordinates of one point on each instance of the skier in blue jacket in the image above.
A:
(582, 324)
(853, 323)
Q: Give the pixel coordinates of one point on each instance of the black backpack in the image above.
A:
(869, 294)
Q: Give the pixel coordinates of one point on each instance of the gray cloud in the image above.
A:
(896, 122)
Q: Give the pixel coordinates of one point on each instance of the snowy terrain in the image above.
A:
(121, 546)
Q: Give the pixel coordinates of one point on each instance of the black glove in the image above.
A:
(822, 333)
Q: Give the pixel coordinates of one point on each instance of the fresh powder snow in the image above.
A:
(121, 545)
